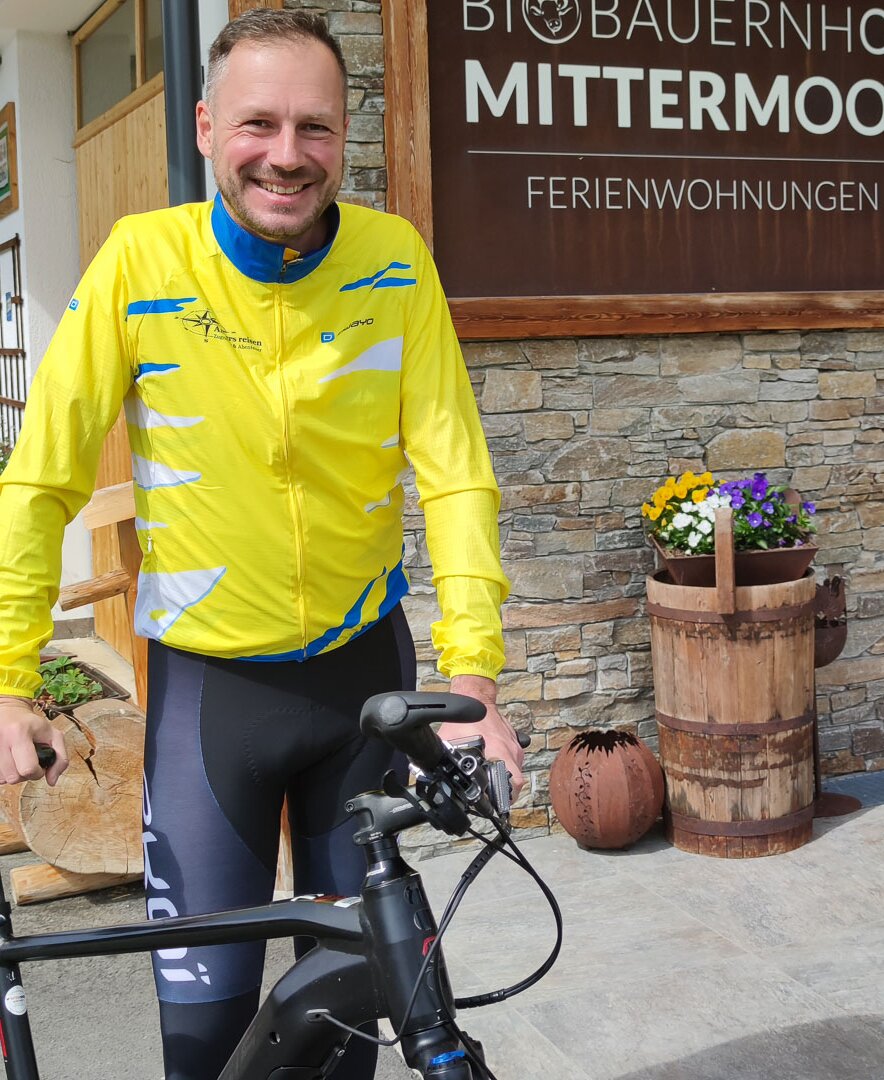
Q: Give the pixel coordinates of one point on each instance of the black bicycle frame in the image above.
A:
(369, 954)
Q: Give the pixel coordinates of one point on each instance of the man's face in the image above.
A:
(275, 134)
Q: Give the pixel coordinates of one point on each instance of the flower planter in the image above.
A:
(109, 689)
(735, 708)
(758, 567)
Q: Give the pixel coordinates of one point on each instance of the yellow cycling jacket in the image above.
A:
(273, 405)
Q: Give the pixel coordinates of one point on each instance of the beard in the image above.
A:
(279, 226)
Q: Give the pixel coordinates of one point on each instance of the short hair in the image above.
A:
(270, 26)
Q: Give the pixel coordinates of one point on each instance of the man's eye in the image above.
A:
(257, 123)
(316, 128)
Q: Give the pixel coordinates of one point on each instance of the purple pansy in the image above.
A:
(759, 486)
(737, 501)
(809, 507)
(754, 519)
(767, 507)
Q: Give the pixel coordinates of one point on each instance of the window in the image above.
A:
(117, 50)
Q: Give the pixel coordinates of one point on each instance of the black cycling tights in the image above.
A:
(226, 740)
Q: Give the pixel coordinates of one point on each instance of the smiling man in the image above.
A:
(283, 360)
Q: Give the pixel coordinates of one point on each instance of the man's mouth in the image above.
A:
(280, 189)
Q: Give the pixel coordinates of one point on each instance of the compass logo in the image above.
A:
(553, 21)
(201, 323)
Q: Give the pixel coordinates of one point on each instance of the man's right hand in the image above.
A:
(22, 727)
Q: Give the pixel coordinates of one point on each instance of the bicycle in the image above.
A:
(377, 954)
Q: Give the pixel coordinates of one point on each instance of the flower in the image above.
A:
(681, 513)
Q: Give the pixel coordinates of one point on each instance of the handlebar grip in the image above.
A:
(403, 719)
(45, 755)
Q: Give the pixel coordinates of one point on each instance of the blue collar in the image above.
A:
(261, 259)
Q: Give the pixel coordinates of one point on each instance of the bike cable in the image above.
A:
(467, 878)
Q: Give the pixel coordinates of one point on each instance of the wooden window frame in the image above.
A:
(143, 89)
(407, 132)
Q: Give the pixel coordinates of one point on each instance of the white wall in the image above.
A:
(213, 16)
(37, 74)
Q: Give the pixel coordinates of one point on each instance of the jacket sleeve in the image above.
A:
(445, 443)
(72, 404)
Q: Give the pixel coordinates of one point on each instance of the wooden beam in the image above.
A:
(95, 20)
(122, 108)
(407, 116)
(110, 505)
(519, 317)
(103, 587)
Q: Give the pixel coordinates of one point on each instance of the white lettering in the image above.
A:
(671, 28)
(707, 91)
(580, 74)
(721, 194)
(807, 37)
(759, 26)
(557, 191)
(650, 22)
(863, 34)
(623, 77)
(579, 188)
(516, 84)
(533, 192)
(831, 203)
(714, 20)
(544, 95)
(484, 7)
(826, 27)
(801, 103)
(870, 197)
(852, 94)
(607, 13)
(777, 98)
(660, 98)
(706, 188)
(149, 879)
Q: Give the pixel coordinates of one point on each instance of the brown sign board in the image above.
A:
(600, 166)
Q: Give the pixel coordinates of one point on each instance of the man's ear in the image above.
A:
(204, 129)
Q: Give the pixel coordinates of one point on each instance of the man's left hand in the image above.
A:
(500, 738)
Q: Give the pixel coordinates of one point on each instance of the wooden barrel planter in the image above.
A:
(734, 690)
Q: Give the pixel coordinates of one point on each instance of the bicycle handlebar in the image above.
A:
(403, 719)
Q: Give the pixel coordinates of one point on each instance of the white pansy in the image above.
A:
(705, 527)
(687, 507)
(693, 539)
(682, 521)
(713, 500)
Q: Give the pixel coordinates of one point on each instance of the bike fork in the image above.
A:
(15, 1028)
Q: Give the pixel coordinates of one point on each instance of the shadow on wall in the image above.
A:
(850, 1049)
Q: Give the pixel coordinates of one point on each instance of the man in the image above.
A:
(279, 355)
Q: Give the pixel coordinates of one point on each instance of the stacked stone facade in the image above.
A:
(583, 431)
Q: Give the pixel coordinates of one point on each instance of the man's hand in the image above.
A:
(22, 725)
(500, 739)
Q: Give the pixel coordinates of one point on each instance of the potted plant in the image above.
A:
(68, 683)
(772, 529)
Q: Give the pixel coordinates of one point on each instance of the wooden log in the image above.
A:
(33, 884)
(735, 706)
(90, 822)
(103, 587)
(11, 839)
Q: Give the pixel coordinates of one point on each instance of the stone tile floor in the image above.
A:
(674, 966)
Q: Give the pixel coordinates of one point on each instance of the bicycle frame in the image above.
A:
(369, 954)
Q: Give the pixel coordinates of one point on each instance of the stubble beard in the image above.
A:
(232, 190)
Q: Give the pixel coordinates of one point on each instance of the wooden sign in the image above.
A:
(607, 166)
(8, 166)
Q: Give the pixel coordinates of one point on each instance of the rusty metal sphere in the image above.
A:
(606, 788)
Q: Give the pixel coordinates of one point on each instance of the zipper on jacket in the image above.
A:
(295, 501)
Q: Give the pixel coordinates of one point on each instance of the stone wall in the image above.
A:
(583, 431)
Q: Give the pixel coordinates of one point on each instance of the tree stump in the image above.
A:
(90, 822)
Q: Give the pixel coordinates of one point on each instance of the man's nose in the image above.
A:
(285, 150)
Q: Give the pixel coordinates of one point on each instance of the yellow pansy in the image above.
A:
(699, 494)
(655, 512)
(646, 509)
(681, 490)
(706, 479)
(661, 497)
(687, 479)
